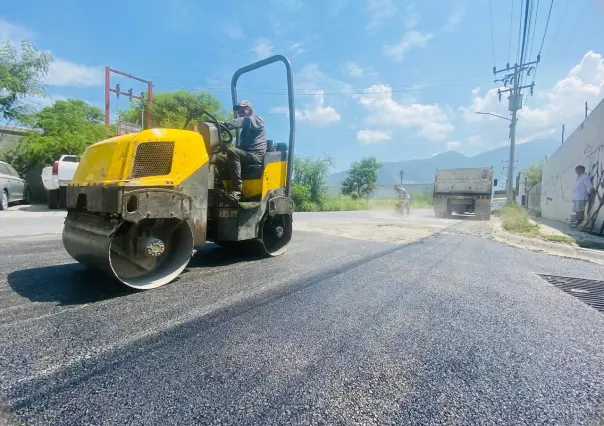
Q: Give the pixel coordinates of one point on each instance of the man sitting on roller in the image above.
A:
(251, 149)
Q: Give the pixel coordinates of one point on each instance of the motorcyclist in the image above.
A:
(403, 196)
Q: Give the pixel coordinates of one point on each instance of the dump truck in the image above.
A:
(140, 204)
(464, 191)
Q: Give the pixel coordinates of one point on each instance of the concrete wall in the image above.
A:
(586, 147)
(9, 136)
(533, 200)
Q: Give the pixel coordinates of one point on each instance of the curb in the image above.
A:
(595, 256)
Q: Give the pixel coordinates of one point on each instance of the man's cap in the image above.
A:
(243, 104)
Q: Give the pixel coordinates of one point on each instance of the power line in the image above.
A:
(534, 29)
(511, 25)
(228, 86)
(319, 92)
(316, 91)
(492, 35)
(549, 14)
(519, 34)
(559, 26)
(526, 13)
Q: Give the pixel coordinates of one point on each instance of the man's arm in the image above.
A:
(245, 123)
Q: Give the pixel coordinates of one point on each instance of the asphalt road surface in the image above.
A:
(450, 329)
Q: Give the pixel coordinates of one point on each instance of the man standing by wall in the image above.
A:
(581, 191)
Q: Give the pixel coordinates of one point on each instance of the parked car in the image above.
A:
(56, 177)
(13, 189)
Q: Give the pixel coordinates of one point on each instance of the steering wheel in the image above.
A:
(222, 130)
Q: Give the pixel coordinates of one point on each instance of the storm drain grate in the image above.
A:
(590, 292)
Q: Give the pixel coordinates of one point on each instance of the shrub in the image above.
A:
(515, 219)
(354, 195)
(300, 194)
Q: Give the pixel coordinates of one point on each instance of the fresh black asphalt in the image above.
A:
(454, 329)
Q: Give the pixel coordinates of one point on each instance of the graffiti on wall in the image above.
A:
(594, 164)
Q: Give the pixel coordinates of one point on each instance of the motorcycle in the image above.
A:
(403, 207)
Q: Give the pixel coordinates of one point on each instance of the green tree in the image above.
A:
(176, 109)
(66, 127)
(362, 177)
(312, 173)
(534, 173)
(21, 75)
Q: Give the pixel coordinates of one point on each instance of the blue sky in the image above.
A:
(392, 78)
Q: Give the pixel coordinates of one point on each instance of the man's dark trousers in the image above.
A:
(235, 159)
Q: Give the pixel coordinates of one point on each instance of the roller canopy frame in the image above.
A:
(291, 108)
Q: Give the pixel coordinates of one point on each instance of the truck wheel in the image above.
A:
(27, 197)
(63, 197)
(4, 200)
(53, 199)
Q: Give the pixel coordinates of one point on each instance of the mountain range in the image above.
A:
(422, 170)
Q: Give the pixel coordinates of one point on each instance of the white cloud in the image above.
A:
(65, 73)
(367, 136)
(278, 110)
(312, 79)
(12, 33)
(380, 10)
(352, 69)
(410, 40)
(455, 19)
(315, 113)
(233, 30)
(262, 48)
(61, 72)
(453, 145)
(318, 114)
(296, 48)
(431, 121)
(543, 115)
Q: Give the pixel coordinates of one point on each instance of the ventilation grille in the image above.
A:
(153, 159)
(590, 292)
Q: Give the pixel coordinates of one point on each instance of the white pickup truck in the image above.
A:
(464, 191)
(56, 177)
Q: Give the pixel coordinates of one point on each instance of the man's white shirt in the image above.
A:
(582, 188)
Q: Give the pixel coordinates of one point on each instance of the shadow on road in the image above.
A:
(213, 255)
(71, 284)
(30, 208)
(456, 216)
(76, 284)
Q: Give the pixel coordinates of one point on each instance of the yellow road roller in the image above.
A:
(139, 204)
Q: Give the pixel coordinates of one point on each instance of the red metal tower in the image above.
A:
(117, 90)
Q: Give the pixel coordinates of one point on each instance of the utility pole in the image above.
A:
(515, 104)
(515, 98)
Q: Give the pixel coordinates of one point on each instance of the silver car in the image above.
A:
(13, 189)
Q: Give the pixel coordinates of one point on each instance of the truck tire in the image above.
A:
(62, 197)
(53, 199)
(26, 197)
(4, 199)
